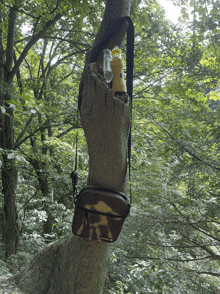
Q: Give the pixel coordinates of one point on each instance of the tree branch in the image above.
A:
(193, 225)
(44, 125)
(10, 43)
(65, 132)
(186, 149)
(32, 41)
(69, 41)
(28, 123)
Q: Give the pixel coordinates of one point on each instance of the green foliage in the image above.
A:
(170, 242)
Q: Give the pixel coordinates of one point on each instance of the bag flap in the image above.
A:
(103, 200)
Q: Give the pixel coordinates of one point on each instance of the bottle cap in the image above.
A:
(116, 52)
(106, 51)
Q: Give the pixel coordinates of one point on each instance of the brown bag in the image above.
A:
(99, 214)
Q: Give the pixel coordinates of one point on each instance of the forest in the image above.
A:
(170, 243)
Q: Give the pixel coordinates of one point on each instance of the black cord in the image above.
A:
(74, 175)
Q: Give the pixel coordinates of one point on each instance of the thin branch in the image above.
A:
(186, 149)
(18, 10)
(44, 125)
(168, 259)
(206, 273)
(23, 39)
(51, 68)
(194, 226)
(69, 41)
(18, 75)
(32, 41)
(67, 76)
(78, 32)
(175, 246)
(65, 132)
(18, 140)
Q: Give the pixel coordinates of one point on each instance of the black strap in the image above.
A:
(111, 31)
(130, 66)
(74, 175)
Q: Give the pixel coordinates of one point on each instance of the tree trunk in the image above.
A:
(7, 74)
(106, 122)
(9, 171)
(9, 184)
(2, 59)
(73, 265)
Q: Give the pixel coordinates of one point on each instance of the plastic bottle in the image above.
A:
(117, 66)
(106, 65)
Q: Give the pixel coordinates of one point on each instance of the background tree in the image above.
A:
(9, 71)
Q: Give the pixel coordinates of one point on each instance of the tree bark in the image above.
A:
(9, 170)
(106, 122)
(73, 265)
(65, 267)
(9, 184)
(114, 9)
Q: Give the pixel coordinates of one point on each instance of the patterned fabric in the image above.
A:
(99, 214)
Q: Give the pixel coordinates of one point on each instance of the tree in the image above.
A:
(8, 73)
(73, 265)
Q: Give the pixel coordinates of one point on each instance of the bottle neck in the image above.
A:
(116, 56)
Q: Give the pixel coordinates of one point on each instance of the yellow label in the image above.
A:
(118, 80)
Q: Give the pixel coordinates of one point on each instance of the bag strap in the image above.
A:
(130, 67)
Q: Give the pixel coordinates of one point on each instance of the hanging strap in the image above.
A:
(111, 31)
(74, 175)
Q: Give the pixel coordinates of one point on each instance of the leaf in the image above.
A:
(215, 96)
(18, 157)
(11, 155)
